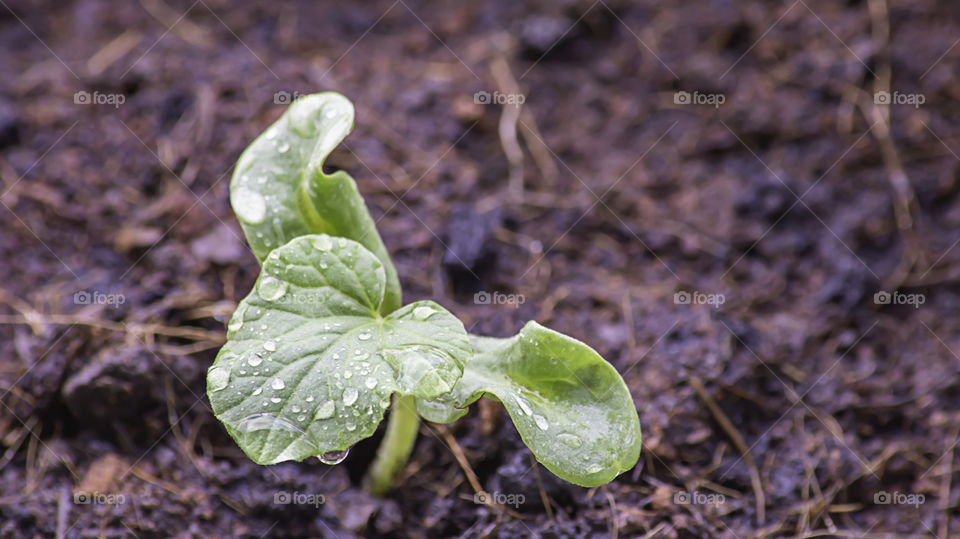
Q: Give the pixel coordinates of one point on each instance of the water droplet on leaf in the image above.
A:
(263, 421)
(350, 396)
(321, 243)
(249, 205)
(325, 411)
(333, 457)
(571, 440)
(422, 312)
(271, 288)
(218, 378)
(277, 384)
(524, 407)
(236, 321)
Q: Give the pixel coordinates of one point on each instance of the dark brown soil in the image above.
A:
(798, 199)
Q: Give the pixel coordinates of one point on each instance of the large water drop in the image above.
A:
(333, 457)
(249, 205)
(422, 312)
(217, 378)
(271, 288)
(571, 440)
(257, 422)
(325, 410)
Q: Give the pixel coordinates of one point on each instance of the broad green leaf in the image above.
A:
(279, 190)
(570, 406)
(310, 363)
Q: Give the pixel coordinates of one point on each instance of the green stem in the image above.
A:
(397, 444)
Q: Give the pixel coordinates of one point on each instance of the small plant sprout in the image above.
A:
(322, 344)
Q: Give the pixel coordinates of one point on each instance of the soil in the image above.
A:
(806, 402)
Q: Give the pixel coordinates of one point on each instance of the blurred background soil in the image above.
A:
(792, 408)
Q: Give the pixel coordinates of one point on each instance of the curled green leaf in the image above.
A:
(571, 407)
(279, 190)
(310, 363)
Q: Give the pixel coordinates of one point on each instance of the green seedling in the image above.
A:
(320, 346)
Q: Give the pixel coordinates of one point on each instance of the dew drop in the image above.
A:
(325, 411)
(364, 336)
(371, 383)
(254, 360)
(262, 421)
(295, 409)
(422, 312)
(249, 205)
(524, 407)
(321, 243)
(217, 378)
(270, 346)
(284, 147)
(594, 468)
(236, 321)
(277, 383)
(333, 457)
(571, 440)
(275, 400)
(350, 395)
(351, 427)
(310, 398)
(258, 391)
(422, 371)
(271, 288)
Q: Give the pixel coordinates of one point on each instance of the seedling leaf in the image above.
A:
(279, 190)
(310, 363)
(571, 407)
